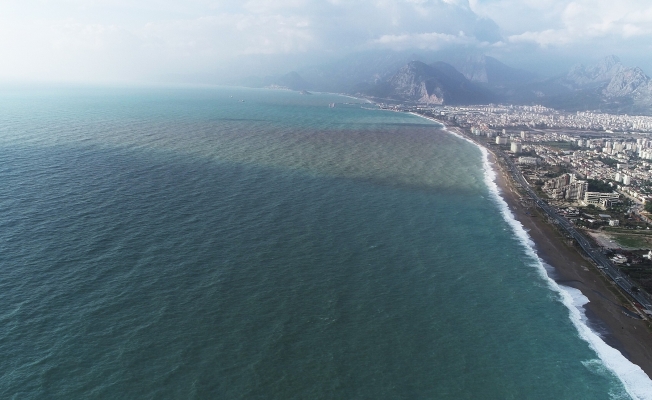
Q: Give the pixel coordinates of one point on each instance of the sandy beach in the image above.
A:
(633, 337)
(608, 308)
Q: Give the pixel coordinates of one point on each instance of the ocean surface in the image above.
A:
(221, 243)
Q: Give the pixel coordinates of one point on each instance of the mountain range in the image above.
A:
(458, 79)
(437, 83)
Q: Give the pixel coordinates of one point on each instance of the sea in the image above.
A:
(229, 243)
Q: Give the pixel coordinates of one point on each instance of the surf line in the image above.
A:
(635, 381)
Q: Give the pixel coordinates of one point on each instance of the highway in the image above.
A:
(594, 253)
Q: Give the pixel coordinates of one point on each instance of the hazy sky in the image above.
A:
(151, 40)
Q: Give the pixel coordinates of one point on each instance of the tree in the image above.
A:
(648, 206)
(599, 186)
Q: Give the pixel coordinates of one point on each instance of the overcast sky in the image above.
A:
(150, 40)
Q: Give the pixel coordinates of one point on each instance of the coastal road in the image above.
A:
(596, 255)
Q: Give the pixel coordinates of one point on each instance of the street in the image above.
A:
(595, 254)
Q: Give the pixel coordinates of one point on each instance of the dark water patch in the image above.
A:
(151, 276)
(241, 119)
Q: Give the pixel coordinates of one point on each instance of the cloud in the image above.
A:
(545, 38)
(147, 39)
(551, 35)
(226, 35)
(134, 39)
(424, 41)
(566, 23)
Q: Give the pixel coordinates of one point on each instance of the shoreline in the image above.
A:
(567, 266)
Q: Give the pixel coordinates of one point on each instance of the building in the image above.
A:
(502, 140)
(559, 182)
(576, 190)
(618, 177)
(626, 180)
(619, 259)
(599, 199)
(566, 186)
(528, 160)
(516, 147)
(614, 222)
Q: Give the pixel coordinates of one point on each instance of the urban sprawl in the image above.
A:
(613, 149)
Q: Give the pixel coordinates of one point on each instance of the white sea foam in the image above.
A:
(636, 382)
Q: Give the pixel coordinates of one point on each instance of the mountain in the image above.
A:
(439, 83)
(361, 70)
(471, 78)
(607, 86)
(369, 70)
(627, 82)
(357, 70)
(605, 70)
(488, 70)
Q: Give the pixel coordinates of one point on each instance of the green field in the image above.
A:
(633, 241)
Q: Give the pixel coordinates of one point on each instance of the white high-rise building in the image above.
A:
(576, 190)
(626, 180)
(618, 177)
(516, 147)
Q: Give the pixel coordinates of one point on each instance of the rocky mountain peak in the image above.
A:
(599, 73)
(608, 62)
(626, 82)
(411, 81)
(438, 83)
(474, 68)
(488, 70)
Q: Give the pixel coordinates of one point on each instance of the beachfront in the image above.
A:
(609, 311)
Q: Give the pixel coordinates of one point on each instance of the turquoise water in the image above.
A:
(182, 243)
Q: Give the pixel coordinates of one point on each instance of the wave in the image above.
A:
(635, 381)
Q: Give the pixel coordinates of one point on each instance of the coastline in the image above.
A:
(603, 309)
(604, 312)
